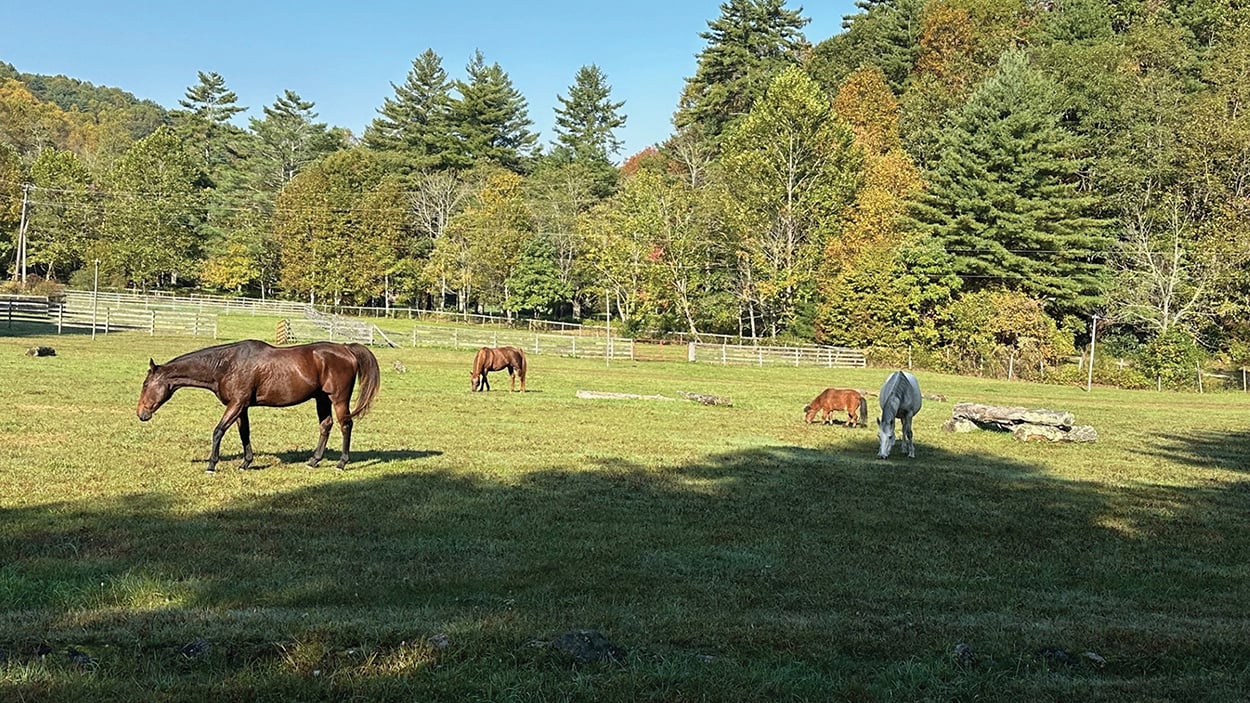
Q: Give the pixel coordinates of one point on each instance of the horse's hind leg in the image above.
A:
(911, 447)
(245, 436)
(327, 421)
(343, 412)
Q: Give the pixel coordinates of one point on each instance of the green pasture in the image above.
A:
(729, 553)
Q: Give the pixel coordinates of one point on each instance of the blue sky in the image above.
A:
(346, 58)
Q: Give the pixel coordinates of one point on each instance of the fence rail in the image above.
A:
(196, 303)
(750, 355)
(571, 345)
(106, 315)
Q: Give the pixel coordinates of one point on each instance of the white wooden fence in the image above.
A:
(107, 314)
(573, 345)
(751, 355)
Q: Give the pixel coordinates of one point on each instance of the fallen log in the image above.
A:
(706, 398)
(604, 395)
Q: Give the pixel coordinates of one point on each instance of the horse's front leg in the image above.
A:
(343, 412)
(911, 447)
(232, 413)
(327, 421)
(245, 436)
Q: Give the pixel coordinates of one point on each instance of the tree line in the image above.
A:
(955, 178)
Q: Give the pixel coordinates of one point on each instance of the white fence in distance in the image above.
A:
(197, 303)
(572, 345)
(106, 315)
(752, 355)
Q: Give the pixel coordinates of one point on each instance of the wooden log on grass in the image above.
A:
(703, 398)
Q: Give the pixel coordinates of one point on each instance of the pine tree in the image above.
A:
(1004, 194)
(491, 119)
(208, 107)
(747, 46)
(416, 122)
(587, 119)
(289, 139)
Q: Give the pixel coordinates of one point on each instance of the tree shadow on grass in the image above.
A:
(799, 568)
(1217, 450)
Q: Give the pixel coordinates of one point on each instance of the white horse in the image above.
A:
(900, 398)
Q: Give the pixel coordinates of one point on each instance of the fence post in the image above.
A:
(108, 318)
(796, 357)
(690, 352)
(60, 317)
(536, 344)
(723, 360)
(1199, 365)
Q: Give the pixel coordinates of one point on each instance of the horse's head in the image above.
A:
(885, 433)
(156, 390)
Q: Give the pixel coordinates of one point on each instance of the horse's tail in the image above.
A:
(863, 410)
(368, 375)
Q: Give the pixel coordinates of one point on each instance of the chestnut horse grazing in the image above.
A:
(494, 359)
(833, 399)
(251, 372)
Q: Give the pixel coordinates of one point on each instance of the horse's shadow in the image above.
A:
(359, 459)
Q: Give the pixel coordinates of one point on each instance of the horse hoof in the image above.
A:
(210, 470)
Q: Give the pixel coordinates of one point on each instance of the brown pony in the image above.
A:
(251, 372)
(834, 399)
(494, 359)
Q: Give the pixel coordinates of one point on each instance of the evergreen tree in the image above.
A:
(207, 109)
(288, 139)
(885, 35)
(747, 46)
(587, 119)
(415, 124)
(1004, 197)
(490, 119)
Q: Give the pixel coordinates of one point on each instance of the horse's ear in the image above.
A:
(151, 365)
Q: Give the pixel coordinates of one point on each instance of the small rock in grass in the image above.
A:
(963, 655)
(1095, 659)
(79, 657)
(196, 649)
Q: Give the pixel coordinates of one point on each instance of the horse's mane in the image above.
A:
(212, 356)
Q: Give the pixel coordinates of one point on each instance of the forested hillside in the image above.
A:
(955, 177)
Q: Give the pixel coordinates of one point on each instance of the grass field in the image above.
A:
(731, 554)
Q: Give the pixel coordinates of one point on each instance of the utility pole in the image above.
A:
(1093, 334)
(19, 266)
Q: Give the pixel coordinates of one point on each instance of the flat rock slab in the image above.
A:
(1012, 415)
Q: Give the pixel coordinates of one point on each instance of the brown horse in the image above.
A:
(251, 372)
(494, 359)
(831, 400)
